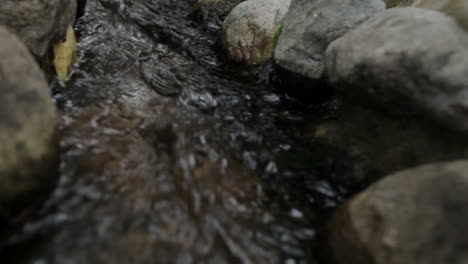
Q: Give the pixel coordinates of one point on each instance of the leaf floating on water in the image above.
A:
(65, 56)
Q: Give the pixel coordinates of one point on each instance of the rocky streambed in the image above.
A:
(168, 155)
(217, 131)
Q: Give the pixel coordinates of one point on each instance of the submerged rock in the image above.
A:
(378, 144)
(407, 61)
(27, 125)
(416, 216)
(39, 24)
(251, 29)
(311, 25)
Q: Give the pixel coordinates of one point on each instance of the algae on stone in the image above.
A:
(274, 38)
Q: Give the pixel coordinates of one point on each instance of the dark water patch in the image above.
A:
(296, 85)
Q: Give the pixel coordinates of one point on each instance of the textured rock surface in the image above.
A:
(250, 30)
(39, 24)
(416, 216)
(408, 61)
(311, 25)
(27, 123)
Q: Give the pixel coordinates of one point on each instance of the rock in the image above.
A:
(251, 29)
(377, 144)
(406, 61)
(458, 9)
(416, 216)
(39, 24)
(209, 9)
(311, 25)
(27, 125)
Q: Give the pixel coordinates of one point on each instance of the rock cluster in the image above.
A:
(399, 69)
(310, 26)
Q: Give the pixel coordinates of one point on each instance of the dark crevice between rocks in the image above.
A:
(303, 88)
(81, 8)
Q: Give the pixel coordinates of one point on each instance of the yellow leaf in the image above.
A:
(65, 56)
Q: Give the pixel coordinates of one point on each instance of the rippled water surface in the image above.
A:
(169, 155)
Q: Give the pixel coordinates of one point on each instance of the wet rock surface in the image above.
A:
(409, 61)
(413, 216)
(167, 157)
(311, 26)
(27, 126)
(251, 29)
(39, 24)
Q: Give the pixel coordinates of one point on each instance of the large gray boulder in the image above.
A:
(251, 29)
(407, 61)
(39, 24)
(311, 25)
(27, 125)
(417, 216)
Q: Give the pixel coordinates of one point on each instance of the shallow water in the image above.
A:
(169, 155)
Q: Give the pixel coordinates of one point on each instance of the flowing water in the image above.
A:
(170, 155)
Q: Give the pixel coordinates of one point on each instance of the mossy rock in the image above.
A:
(251, 30)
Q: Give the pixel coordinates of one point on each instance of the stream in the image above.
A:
(169, 154)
